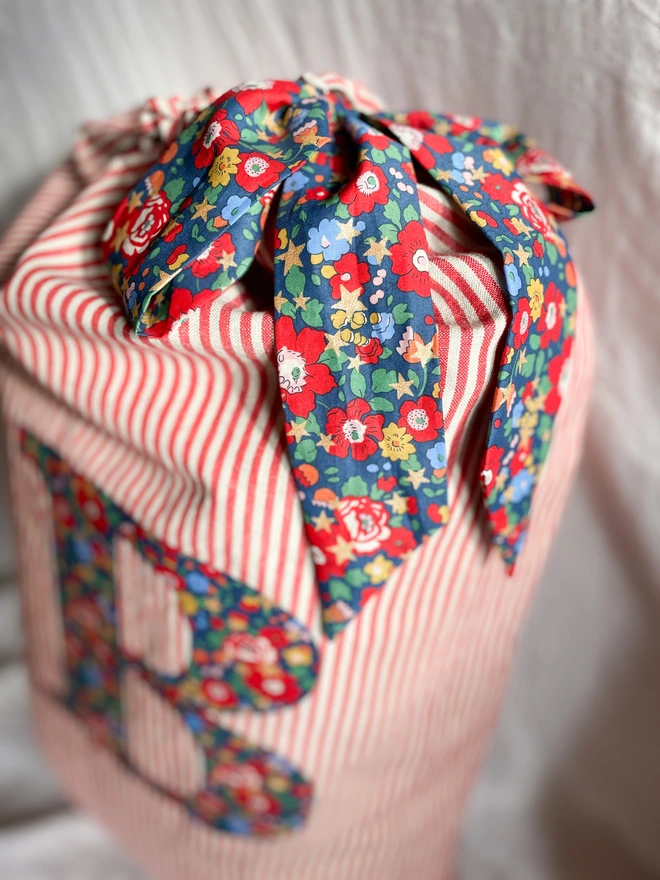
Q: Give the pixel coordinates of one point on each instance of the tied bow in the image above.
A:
(355, 330)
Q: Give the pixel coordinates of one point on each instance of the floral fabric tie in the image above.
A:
(355, 331)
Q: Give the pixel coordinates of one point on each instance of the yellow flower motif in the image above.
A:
(278, 783)
(298, 655)
(528, 423)
(224, 166)
(379, 569)
(499, 160)
(480, 221)
(535, 293)
(340, 317)
(444, 514)
(188, 603)
(396, 443)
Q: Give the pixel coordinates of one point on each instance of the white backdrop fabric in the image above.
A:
(571, 785)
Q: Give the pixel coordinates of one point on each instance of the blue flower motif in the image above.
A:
(236, 206)
(238, 825)
(297, 181)
(437, 455)
(516, 412)
(458, 161)
(201, 620)
(322, 239)
(198, 583)
(83, 550)
(513, 279)
(385, 328)
(194, 722)
(91, 674)
(521, 485)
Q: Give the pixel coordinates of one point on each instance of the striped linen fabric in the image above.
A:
(185, 433)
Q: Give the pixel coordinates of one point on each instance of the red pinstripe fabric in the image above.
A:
(186, 435)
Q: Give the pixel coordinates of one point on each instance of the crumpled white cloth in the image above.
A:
(571, 786)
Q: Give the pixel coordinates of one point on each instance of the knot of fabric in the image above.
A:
(355, 332)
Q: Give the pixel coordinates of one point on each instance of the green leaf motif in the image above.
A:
(356, 577)
(410, 213)
(393, 213)
(174, 188)
(401, 314)
(527, 368)
(382, 380)
(294, 281)
(340, 590)
(381, 404)
(358, 384)
(311, 314)
(306, 450)
(355, 485)
(378, 156)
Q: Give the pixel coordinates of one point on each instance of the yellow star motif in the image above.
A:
(416, 478)
(343, 550)
(298, 430)
(377, 250)
(402, 386)
(522, 254)
(398, 503)
(322, 522)
(442, 176)
(134, 200)
(202, 210)
(355, 363)
(425, 353)
(347, 231)
(279, 301)
(326, 442)
(291, 257)
(120, 234)
(301, 301)
(226, 261)
(335, 342)
(163, 279)
(522, 359)
(479, 174)
(350, 302)
(500, 480)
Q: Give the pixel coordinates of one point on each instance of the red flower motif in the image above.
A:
(301, 377)
(217, 134)
(531, 209)
(354, 430)
(145, 223)
(420, 119)
(219, 255)
(219, 693)
(521, 323)
(317, 193)
(366, 190)
(350, 273)
(434, 513)
(258, 171)
(520, 457)
(410, 259)
(499, 188)
(421, 418)
(386, 484)
(558, 375)
(276, 94)
(366, 523)
(89, 502)
(279, 687)
(323, 544)
(400, 542)
(550, 322)
(491, 467)
(370, 352)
